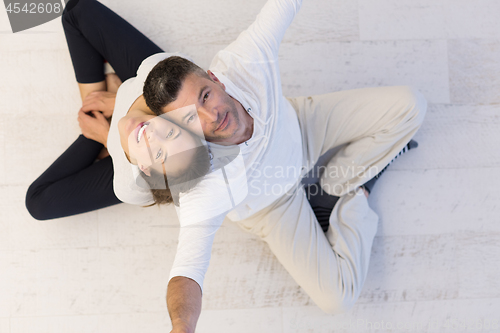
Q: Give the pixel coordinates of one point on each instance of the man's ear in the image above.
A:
(216, 80)
(145, 170)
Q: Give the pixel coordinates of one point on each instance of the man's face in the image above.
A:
(217, 111)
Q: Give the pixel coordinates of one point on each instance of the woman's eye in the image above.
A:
(170, 133)
(205, 97)
(158, 154)
(190, 119)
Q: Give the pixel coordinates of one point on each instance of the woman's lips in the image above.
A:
(138, 129)
(224, 123)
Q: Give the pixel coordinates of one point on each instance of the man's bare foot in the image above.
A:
(113, 82)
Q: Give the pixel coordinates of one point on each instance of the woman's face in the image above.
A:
(149, 140)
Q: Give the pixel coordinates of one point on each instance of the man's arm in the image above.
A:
(262, 38)
(192, 259)
(184, 304)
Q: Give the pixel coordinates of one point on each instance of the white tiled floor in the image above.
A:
(436, 255)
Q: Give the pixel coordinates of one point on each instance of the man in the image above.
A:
(240, 102)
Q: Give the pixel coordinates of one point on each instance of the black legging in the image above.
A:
(75, 183)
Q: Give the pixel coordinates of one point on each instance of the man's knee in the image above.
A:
(338, 297)
(415, 103)
(337, 305)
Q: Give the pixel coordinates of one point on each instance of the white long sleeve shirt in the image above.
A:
(270, 162)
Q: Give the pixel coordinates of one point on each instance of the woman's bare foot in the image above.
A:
(113, 82)
(365, 191)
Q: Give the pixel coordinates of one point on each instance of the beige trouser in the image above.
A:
(375, 124)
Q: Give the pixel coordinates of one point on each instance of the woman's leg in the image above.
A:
(95, 33)
(73, 184)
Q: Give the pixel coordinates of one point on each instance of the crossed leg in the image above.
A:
(373, 124)
(75, 183)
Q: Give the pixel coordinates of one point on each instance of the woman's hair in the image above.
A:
(160, 186)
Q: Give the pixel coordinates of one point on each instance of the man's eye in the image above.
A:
(158, 154)
(190, 119)
(205, 97)
(170, 133)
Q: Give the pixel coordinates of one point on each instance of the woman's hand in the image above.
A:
(94, 126)
(103, 101)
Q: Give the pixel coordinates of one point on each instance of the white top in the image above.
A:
(270, 161)
(125, 174)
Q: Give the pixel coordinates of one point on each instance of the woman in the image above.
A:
(77, 183)
(171, 159)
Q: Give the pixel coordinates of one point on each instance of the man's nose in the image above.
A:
(208, 115)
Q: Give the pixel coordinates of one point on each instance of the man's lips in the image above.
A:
(223, 124)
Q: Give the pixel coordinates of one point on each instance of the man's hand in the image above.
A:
(103, 101)
(94, 126)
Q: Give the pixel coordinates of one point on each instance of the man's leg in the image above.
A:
(368, 122)
(373, 123)
(331, 272)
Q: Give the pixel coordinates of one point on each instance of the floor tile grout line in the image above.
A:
(398, 169)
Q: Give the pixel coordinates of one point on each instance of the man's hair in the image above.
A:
(165, 81)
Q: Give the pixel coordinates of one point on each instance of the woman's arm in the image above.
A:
(97, 107)
(87, 88)
(100, 96)
(94, 126)
(103, 101)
